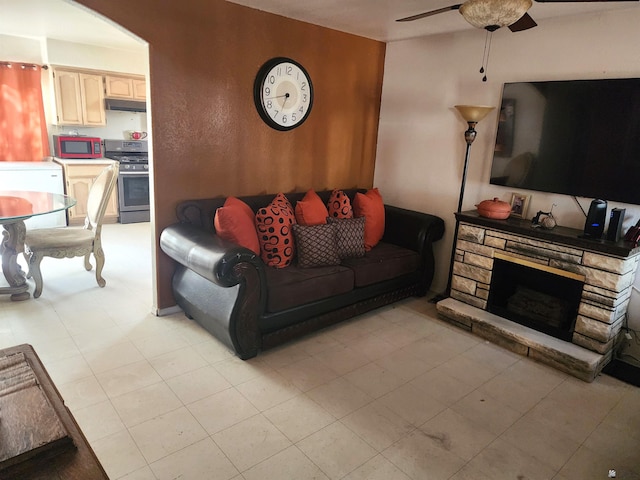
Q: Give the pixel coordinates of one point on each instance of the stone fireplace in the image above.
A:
(556, 297)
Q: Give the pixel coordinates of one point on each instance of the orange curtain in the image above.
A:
(23, 129)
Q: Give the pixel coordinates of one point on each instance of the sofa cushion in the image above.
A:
(275, 234)
(310, 210)
(370, 206)
(339, 205)
(316, 245)
(235, 222)
(349, 236)
(293, 286)
(383, 262)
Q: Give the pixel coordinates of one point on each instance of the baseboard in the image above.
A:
(163, 312)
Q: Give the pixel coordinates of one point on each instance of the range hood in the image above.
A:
(125, 105)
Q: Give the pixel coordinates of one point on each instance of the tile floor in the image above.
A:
(394, 394)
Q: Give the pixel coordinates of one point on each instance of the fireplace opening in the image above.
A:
(537, 296)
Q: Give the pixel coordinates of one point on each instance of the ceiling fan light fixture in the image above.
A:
(493, 14)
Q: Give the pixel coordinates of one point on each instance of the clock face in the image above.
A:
(283, 93)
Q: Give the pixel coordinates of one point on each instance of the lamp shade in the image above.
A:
(473, 113)
(494, 13)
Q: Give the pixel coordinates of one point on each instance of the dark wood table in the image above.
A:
(34, 412)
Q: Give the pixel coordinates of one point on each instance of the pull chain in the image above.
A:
(485, 56)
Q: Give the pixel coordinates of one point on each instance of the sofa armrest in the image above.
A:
(207, 254)
(410, 229)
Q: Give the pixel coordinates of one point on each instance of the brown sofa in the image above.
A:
(248, 306)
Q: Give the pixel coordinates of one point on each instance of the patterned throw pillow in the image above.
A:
(349, 236)
(339, 205)
(310, 210)
(235, 222)
(275, 234)
(371, 206)
(316, 245)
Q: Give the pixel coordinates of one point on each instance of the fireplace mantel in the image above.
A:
(608, 269)
(564, 235)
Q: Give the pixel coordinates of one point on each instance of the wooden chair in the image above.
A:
(72, 242)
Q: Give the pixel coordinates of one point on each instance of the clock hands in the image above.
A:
(286, 95)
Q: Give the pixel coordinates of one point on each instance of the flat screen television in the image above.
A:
(577, 137)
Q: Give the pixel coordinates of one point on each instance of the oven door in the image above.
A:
(133, 191)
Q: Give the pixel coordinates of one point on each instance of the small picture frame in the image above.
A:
(519, 205)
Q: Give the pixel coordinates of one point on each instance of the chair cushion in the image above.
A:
(59, 238)
(235, 222)
(383, 262)
(370, 206)
(310, 210)
(293, 286)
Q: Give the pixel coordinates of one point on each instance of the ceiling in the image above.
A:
(63, 20)
(376, 18)
(68, 21)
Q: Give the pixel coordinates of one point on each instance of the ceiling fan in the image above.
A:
(493, 14)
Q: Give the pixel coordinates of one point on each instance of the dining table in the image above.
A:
(16, 206)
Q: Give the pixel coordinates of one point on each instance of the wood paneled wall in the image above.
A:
(208, 139)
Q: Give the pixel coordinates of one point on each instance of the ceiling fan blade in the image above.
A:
(428, 14)
(525, 23)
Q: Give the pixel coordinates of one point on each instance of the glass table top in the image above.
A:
(19, 204)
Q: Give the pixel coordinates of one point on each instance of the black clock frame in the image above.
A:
(261, 76)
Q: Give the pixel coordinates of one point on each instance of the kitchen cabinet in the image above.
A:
(79, 98)
(79, 175)
(125, 87)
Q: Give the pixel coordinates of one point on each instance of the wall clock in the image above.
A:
(283, 93)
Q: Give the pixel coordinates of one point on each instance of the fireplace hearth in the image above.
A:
(549, 294)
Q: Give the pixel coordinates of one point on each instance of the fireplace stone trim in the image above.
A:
(609, 270)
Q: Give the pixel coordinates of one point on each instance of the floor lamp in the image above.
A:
(472, 114)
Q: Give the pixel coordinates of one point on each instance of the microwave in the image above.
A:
(71, 146)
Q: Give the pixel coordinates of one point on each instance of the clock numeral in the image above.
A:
(267, 91)
(301, 110)
(269, 104)
(293, 117)
(304, 97)
(289, 69)
(279, 71)
(272, 79)
(276, 113)
(284, 119)
(304, 86)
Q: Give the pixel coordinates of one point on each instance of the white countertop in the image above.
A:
(83, 161)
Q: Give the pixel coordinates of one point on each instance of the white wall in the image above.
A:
(421, 136)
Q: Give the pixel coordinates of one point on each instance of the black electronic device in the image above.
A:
(597, 215)
(573, 137)
(616, 217)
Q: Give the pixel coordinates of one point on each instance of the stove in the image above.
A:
(133, 179)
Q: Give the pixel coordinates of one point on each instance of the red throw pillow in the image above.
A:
(339, 205)
(234, 221)
(310, 210)
(275, 233)
(370, 206)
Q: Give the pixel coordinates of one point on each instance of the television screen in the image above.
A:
(578, 137)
